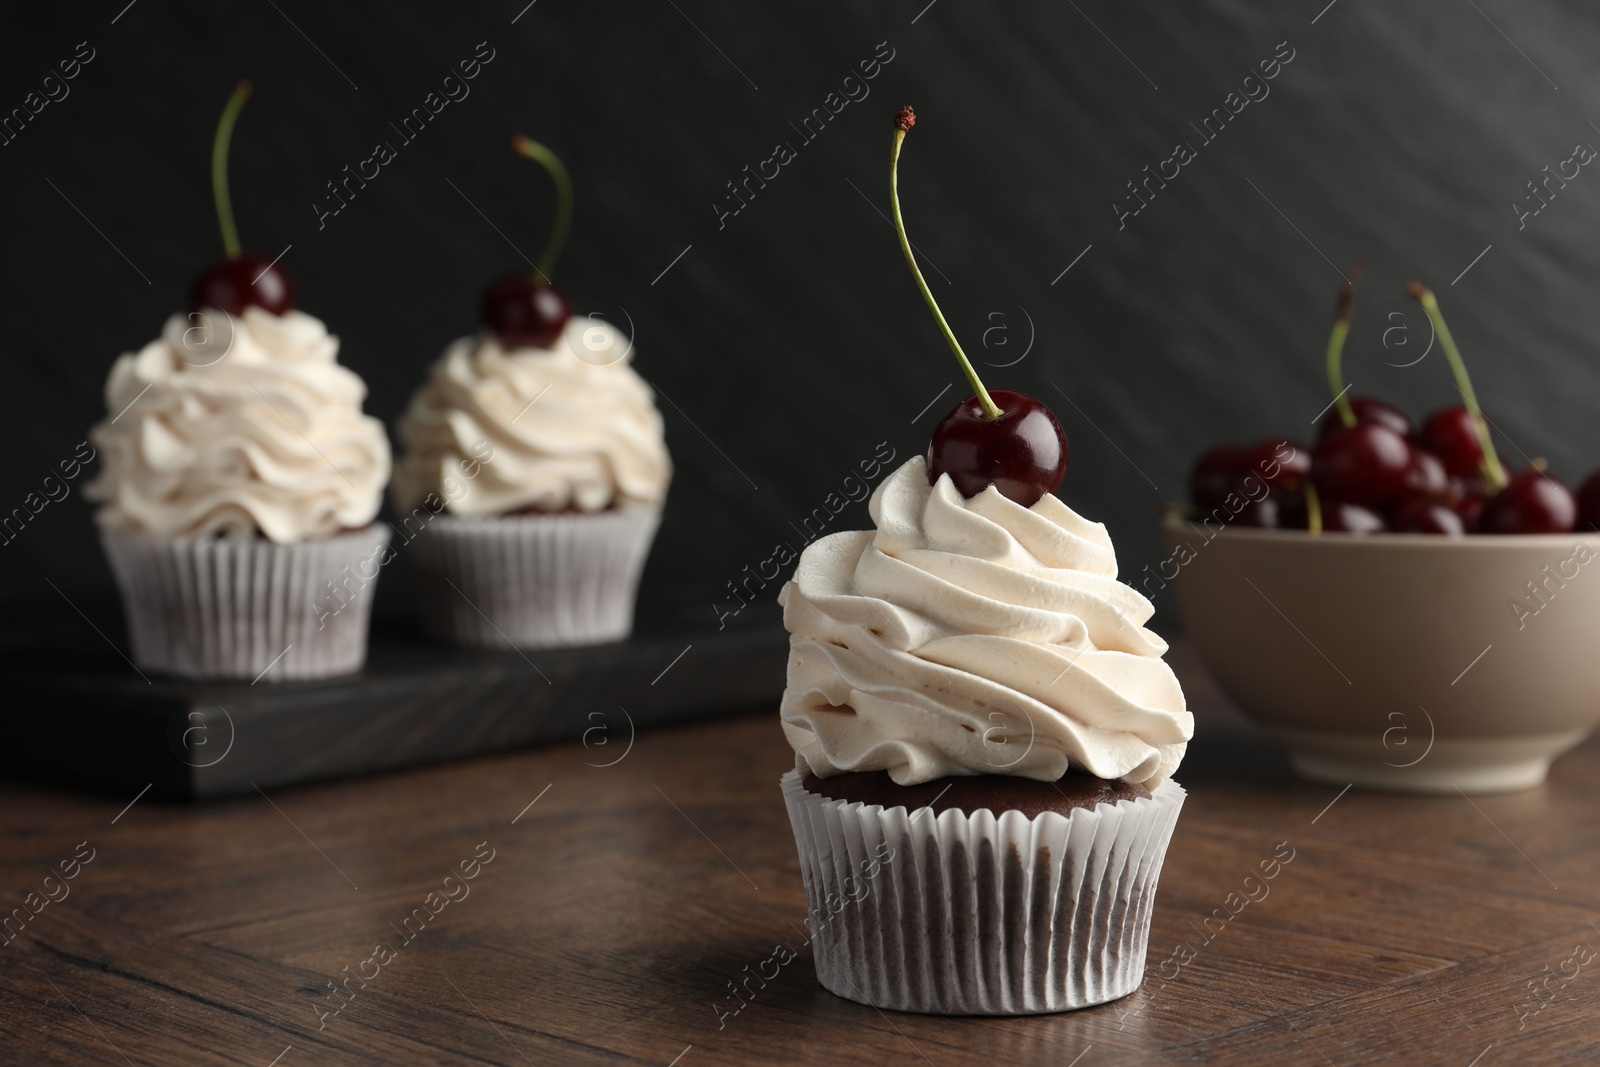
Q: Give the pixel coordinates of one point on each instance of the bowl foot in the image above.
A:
(1467, 765)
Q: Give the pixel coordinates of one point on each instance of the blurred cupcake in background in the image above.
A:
(534, 456)
(237, 500)
(239, 480)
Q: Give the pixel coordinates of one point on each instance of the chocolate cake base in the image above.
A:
(968, 793)
(979, 912)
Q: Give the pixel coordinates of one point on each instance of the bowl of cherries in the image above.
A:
(1394, 601)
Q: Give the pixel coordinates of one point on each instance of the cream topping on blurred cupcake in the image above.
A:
(236, 426)
(975, 637)
(569, 428)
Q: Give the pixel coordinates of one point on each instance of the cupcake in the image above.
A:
(974, 702)
(239, 481)
(984, 731)
(533, 470)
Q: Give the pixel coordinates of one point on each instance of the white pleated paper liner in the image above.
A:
(533, 581)
(978, 915)
(225, 609)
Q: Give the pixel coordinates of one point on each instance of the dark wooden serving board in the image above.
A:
(82, 714)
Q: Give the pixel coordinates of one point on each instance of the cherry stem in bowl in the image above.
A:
(903, 121)
(558, 173)
(1493, 472)
(1341, 329)
(219, 168)
(1313, 508)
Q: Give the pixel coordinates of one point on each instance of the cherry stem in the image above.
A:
(1493, 472)
(903, 122)
(1313, 509)
(558, 173)
(1341, 329)
(219, 168)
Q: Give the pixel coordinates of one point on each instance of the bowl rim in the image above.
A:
(1173, 519)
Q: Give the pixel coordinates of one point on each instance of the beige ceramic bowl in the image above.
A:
(1403, 662)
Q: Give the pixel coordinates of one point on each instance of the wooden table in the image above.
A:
(617, 903)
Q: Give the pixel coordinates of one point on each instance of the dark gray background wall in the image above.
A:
(790, 339)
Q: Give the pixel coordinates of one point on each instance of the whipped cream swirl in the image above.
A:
(236, 426)
(568, 428)
(975, 637)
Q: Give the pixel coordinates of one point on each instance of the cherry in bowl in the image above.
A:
(1218, 473)
(1423, 515)
(1343, 516)
(1531, 503)
(1589, 503)
(1452, 435)
(1368, 409)
(1363, 464)
(1280, 463)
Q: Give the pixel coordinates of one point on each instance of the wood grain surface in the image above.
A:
(609, 908)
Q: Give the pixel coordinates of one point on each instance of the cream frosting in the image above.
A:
(571, 427)
(238, 425)
(975, 637)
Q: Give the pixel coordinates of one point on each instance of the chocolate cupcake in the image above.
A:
(538, 474)
(535, 457)
(238, 484)
(239, 478)
(982, 722)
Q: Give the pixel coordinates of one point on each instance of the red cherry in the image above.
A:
(1533, 502)
(1468, 485)
(1419, 514)
(1341, 516)
(1470, 508)
(1292, 511)
(1361, 464)
(1023, 453)
(1589, 503)
(1450, 434)
(1425, 477)
(1368, 409)
(1264, 514)
(1218, 473)
(246, 280)
(526, 312)
(1280, 463)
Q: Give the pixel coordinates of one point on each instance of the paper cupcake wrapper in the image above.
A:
(223, 609)
(533, 581)
(978, 915)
